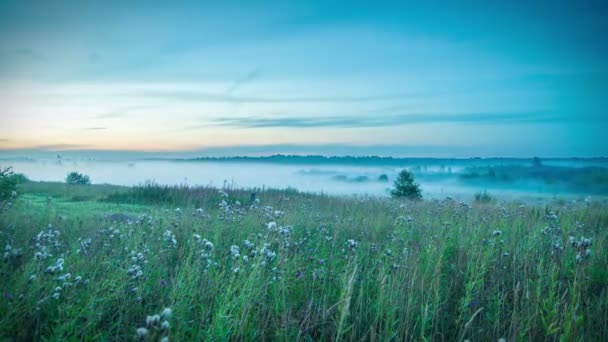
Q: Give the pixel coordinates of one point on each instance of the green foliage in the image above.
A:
(405, 187)
(484, 197)
(584, 180)
(449, 272)
(77, 178)
(8, 183)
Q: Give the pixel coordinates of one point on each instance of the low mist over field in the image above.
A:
(303, 170)
(438, 178)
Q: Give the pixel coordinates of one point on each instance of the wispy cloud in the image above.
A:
(375, 121)
(240, 82)
(95, 128)
(207, 97)
(60, 147)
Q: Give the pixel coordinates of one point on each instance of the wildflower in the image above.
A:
(588, 253)
(162, 282)
(197, 237)
(352, 243)
(585, 242)
(152, 320)
(496, 232)
(165, 339)
(236, 270)
(64, 277)
(248, 244)
(142, 332)
(166, 313)
(272, 226)
(170, 237)
(165, 325)
(579, 258)
(235, 251)
(207, 244)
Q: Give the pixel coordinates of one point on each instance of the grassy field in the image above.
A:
(100, 262)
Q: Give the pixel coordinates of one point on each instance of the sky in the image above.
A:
(432, 78)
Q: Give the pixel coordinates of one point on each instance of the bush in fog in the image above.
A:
(77, 178)
(483, 197)
(8, 183)
(383, 178)
(405, 187)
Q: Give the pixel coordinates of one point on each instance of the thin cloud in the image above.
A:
(95, 128)
(60, 147)
(240, 82)
(371, 121)
(199, 96)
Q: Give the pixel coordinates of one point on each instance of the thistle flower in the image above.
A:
(235, 251)
(207, 244)
(496, 232)
(249, 245)
(165, 325)
(166, 313)
(352, 244)
(142, 332)
(152, 320)
(271, 226)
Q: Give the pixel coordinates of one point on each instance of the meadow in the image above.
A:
(180, 263)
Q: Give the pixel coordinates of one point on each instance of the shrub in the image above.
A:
(77, 178)
(383, 178)
(483, 197)
(8, 183)
(406, 187)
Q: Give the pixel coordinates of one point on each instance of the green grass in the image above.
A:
(430, 270)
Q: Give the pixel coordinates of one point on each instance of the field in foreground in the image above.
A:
(99, 262)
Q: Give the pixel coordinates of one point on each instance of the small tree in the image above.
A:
(406, 187)
(77, 178)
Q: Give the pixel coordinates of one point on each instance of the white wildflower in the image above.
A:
(142, 332)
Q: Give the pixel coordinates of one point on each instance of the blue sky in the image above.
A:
(441, 78)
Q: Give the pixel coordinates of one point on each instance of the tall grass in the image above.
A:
(439, 270)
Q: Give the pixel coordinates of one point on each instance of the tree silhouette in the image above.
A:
(406, 187)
